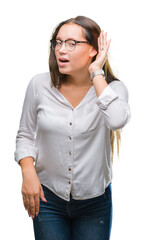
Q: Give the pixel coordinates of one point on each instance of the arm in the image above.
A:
(112, 98)
(26, 152)
(113, 103)
(27, 163)
(25, 139)
(99, 83)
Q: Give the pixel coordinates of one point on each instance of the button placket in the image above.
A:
(70, 150)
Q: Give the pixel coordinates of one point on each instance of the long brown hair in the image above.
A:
(92, 32)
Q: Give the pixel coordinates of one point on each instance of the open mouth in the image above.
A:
(63, 62)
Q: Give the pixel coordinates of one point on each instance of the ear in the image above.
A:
(93, 52)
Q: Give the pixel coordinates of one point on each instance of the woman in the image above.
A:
(66, 125)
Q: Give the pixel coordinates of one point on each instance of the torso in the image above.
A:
(74, 95)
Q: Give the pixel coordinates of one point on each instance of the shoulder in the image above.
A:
(40, 78)
(40, 82)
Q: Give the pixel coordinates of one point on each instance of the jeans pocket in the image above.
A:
(49, 195)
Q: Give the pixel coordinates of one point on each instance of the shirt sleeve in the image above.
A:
(25, 138)
(113, 103)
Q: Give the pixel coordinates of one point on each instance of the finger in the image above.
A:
(101, 40)
(29, 211)
(24, 201)
(32, 205)
(37, 204)
(105, 40)
(99, 43)
(27, 203)
(108, 45)
(103, 44)
(42, 195)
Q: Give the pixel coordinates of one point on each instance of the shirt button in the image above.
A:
(70, 123)
(69, 182)
(70, 152)
(70, 137)
(69, 169)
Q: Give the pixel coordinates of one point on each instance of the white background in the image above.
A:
(25, 29)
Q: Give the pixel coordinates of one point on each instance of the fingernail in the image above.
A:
(36, 213)
(45, 200)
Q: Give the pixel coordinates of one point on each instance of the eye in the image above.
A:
(71, 43)
(58, 42)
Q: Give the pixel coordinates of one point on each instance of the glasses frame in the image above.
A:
(75, 41)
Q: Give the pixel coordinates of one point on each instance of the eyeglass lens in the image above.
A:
(69, 44)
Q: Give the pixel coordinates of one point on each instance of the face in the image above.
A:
(80, 58)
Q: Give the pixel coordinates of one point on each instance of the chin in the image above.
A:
(63, 71)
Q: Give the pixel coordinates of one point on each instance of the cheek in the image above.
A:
(80, 59)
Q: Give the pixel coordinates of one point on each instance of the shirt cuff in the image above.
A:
(25, 152)
(106, 97)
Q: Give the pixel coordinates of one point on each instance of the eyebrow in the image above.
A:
(67, 38)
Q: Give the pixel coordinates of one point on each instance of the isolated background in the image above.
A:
(26, 28)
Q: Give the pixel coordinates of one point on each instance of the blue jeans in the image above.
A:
(89, 219)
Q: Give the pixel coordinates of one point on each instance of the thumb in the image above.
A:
(42, 195)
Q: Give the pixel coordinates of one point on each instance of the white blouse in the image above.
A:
(71, 146)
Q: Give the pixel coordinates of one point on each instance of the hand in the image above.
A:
(32, 192)
(103, 47)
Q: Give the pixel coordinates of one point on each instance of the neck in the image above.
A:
(79, 80)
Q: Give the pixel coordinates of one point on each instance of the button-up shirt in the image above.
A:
(71, 146)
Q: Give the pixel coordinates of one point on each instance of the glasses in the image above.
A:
(70, 44)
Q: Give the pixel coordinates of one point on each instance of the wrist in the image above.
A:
(97, 72)
(30, 171)
(91, 70)
(27, 162)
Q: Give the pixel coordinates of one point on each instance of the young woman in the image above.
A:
(68, 118)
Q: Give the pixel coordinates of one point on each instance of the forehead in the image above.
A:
(71, 30)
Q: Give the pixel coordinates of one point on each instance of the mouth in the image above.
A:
(63, 62)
